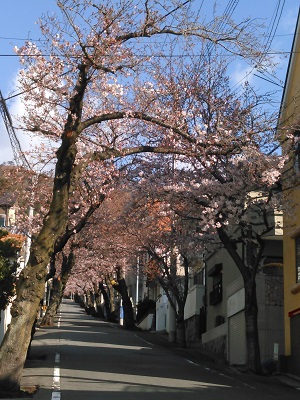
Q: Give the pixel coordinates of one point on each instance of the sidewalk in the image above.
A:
(196, 354)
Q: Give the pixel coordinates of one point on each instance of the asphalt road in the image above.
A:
(84, 358)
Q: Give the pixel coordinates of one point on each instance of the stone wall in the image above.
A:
(217, 346)
(274, 290)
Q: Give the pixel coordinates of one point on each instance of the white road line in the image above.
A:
(56, 394)
(249, 386)
(192, 362)
(143, 340)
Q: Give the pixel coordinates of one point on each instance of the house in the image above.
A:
(8, 211)
(289, 127)
(225, 333)
(214, 310)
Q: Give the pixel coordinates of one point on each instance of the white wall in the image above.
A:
(194, 301)
(161, 313)
(5, 321)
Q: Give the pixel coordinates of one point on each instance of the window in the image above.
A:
(199, 278)
(2, 220)
(298, 259)
(297, 152)
(215, 296)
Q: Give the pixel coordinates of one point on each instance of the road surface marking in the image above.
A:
(192, 362)
(56, 394)
(143, 340)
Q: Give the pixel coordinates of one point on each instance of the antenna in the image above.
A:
(19, 156)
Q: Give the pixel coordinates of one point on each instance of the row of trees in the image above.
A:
(123, 114)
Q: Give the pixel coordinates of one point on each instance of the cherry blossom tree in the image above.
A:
(226, 186)
(82, 91)
(148, 221)
(106, 254)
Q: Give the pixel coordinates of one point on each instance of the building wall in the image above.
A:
(194, 301)
(290, 122)
(270, 304)
(230, 273)
(270, 312)
(291, 288)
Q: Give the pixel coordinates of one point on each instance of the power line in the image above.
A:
(281, 52)
(19, 156)
(60, 41)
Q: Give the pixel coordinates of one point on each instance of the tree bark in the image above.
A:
(58, 287)
(248, 272)
(121, 288)
(252, 338)
(107, 303)
(55, 299)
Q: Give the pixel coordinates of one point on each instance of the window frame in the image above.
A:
(3, 217)
(296, 161)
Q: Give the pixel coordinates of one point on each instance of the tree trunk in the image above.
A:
(58, 288)
(55, 299)
(248, 272)
(24, 311)
(89, 303)
(107, 303)
(180, 325)
(251, 313)
(121, 288)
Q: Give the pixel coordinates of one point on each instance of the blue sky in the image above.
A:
(17, 23)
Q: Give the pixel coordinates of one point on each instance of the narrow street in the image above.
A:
(84, 358)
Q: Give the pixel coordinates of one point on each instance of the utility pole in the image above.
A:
(137, 282)
(19, 158)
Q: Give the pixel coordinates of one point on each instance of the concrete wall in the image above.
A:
(215, 340)
(194, 301)
(147, 323)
